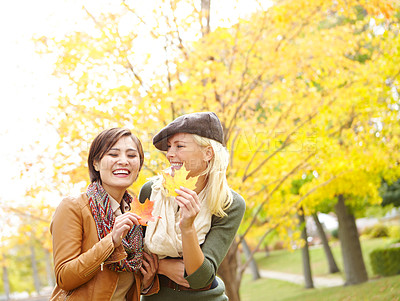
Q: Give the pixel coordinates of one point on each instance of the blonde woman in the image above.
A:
(197, 226)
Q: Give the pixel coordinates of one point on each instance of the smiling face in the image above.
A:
(183, 149)
(119, 167)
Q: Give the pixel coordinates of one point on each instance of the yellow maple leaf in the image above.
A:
(179, 179)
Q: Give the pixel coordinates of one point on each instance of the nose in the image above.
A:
(122, 160)
(170, 153)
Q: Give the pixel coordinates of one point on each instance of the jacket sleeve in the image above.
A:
(72, 267)
(217, 243)
(145, 192)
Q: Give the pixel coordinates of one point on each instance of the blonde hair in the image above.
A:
(219, 196)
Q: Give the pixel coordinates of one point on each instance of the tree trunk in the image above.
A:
(205, 17)
(253, 265)
(228, 271)
(6, 282)
(353, 261)
(304, 252)
(49, 269)
(267, 252)
(36, 280)
(333, 268)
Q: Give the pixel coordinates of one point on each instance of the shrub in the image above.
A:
(386, 262)
(379, 230)
(335, 233)
(279, 245)
(376, 231)
(394, 231)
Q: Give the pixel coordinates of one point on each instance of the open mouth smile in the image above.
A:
(121, 172)
(176, 165)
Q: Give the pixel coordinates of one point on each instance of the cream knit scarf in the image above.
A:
(163, 236)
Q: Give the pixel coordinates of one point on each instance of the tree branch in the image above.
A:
(27, 214)
(152, 33)
(269, 195)
(180, 45)
(244, 266)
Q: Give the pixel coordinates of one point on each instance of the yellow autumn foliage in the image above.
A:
(303, 87)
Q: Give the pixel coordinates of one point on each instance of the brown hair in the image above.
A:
(103, 143)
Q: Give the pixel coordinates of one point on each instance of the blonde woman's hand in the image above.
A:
(123, 223)
(189, 204)
(149, 268)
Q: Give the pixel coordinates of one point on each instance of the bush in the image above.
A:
(279, 245)
(335, 233)
(394, 231)
(386, 262)
(376, 231)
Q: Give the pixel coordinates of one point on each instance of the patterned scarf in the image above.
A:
(103, 215)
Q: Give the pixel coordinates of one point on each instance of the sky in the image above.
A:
(24, 85)
(27, 86)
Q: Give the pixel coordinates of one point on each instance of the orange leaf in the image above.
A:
(144, 210)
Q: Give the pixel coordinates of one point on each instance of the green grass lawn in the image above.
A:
(382, 289)
(387, 288)
(291, 262)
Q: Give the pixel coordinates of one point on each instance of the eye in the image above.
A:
(113, 155)
(180, 146)
(132, 156)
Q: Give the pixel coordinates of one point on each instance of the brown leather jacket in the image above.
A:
(80, 258)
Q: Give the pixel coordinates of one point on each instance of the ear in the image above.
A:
(96, 165)
(208, 153)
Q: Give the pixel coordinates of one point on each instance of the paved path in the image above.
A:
(38, 298)
(299, 279)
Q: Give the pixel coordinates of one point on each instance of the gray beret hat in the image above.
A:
(204, 124)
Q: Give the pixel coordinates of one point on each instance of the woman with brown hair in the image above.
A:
(97, 242)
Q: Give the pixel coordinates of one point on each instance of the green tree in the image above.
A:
(391, 194)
